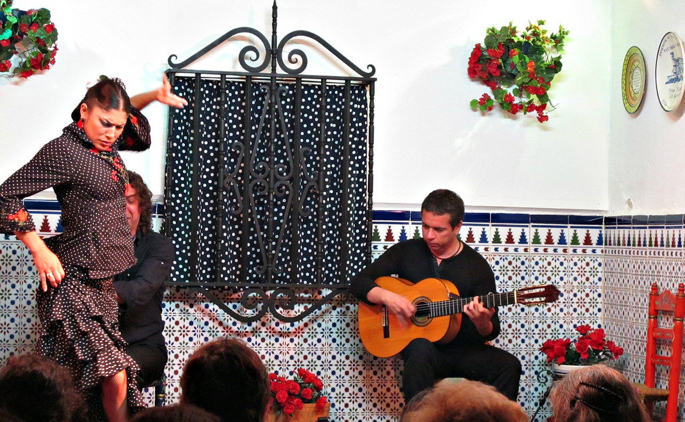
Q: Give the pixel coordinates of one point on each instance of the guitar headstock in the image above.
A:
(537, 294)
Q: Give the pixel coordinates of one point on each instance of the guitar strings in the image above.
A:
(452, 306)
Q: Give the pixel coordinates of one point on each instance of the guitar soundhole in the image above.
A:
(422, 315)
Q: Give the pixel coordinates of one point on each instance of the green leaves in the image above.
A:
(29, 37)
(527, 62)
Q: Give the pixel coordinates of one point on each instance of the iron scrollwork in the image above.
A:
(270, 168)
(256, 302)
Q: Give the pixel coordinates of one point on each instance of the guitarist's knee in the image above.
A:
(419, 348)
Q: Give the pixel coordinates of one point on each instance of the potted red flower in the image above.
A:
(299, 398)
(589, 348)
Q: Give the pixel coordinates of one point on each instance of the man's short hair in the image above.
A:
(444, 201)
(144, 200)
(227, 378)
(461, 401)
(597, 392)
(34, 388)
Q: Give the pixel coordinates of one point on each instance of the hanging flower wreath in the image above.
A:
(526, 62)
(27, 41)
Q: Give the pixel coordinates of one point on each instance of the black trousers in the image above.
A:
(151, 360)
(425, 363)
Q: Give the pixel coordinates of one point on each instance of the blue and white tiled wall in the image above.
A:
(603, 266)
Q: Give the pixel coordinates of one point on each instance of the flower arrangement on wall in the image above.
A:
(518, 68)
(27, 41)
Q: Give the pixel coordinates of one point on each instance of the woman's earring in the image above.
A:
(80, 123)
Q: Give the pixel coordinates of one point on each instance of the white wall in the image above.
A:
(426, 134)
(647, 148)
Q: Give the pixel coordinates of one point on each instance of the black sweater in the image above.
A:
(412, 260)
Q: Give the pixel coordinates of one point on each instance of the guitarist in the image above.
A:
(441, 255)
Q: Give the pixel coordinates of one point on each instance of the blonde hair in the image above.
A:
(597, 393)
(462, 401)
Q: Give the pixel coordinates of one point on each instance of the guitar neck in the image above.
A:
(456, 306)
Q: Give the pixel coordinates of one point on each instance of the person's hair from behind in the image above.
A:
(36, 389)
(462, 401)
(596, 393)
(144, 200)
(227, 378)
(182, 412)
(444, 201)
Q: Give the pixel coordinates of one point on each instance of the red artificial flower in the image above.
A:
(288, 409)
(282, 396)
(293, 387)
(21, 216)
(515, 108)
(530, 107)
(508, 98)
(543, 118)
(513, 52)
(37, 62)
(49, 28)
(493, 85)
(496, 54)
(493, 67)
(307, 393)
(34, 27)
(26, 73)
(483, 99)
(596, 339)
(5, 66)
(583, 347)
(4, 43)
(614, 349)
(531, 66)
(321, 403)
(24, 27)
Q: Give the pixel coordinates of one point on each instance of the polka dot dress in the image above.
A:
(79, 317)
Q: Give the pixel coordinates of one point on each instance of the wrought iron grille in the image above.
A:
(268, 177)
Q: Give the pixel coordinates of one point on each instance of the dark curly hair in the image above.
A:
(30, 377)
(144, 200)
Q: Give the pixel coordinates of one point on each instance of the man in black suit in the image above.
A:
(140, 289)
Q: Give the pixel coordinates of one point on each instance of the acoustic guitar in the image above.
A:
(438, 312)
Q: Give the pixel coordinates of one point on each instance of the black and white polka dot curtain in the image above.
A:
(244, 210)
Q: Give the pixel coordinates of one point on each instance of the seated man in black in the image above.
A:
(440, 254)
(140, 289)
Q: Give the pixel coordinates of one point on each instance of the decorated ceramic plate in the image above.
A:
(669, 71)
(633, 79)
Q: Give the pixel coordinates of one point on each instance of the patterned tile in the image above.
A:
(603, 270)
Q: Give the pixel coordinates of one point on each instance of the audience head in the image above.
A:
(596, 393)
(36, 389)
(175, 413)
(462, 401)
(443, 201)
(227, 378)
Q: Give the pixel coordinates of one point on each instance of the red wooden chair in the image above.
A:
(660, 335)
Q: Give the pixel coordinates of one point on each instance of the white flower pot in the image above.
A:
(562, 370)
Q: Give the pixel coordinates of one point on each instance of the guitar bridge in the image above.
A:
(385, 322)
